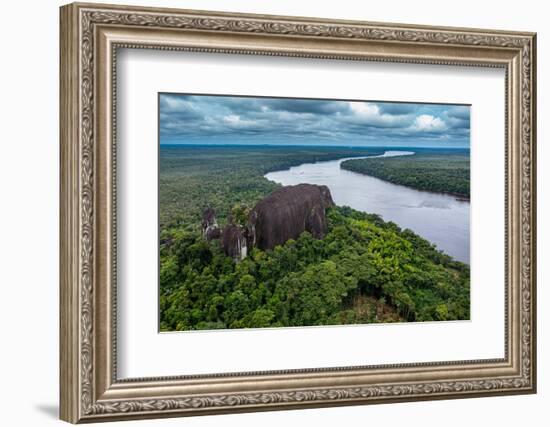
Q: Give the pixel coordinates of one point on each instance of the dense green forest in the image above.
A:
(447, 172)
(222, 177)
(365, 270)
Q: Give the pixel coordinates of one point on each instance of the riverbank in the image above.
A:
(365, 270)
(222, 176)
(447, 173)
(440, 218)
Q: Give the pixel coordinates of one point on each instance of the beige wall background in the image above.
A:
(29, 170)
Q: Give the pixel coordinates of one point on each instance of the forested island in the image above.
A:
(442, 171)
(363, 270)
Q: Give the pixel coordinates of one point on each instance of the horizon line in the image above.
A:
(307, 145)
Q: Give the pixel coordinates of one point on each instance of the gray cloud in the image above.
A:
(185, 118)
(397, 108)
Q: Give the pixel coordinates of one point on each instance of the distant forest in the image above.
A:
(442, 172)
(364, 270)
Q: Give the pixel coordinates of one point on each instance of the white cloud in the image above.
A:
(370, 114)
(365, 109)
(210, 116)
(235, 121)
(174, 104)
(427, 122)
(232, 119)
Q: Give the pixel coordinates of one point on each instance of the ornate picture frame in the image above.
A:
(90, 37)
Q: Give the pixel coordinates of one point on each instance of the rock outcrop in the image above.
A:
(234, 242)
(284, 214)
(210, 229)
(287, 213)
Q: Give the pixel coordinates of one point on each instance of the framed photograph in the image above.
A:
(266, 212)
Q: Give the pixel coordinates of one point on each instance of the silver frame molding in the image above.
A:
(90, 37)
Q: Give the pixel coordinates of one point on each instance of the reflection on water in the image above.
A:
(439, 218)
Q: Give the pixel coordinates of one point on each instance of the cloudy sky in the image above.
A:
(201, 119)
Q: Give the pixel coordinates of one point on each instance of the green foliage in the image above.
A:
(239, 214)
(365, 270)
(445, 173)
(313, 282)
(227, 177)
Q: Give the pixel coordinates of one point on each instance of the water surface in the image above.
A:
(440, 218)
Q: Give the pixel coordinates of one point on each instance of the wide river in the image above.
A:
(439, 218)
